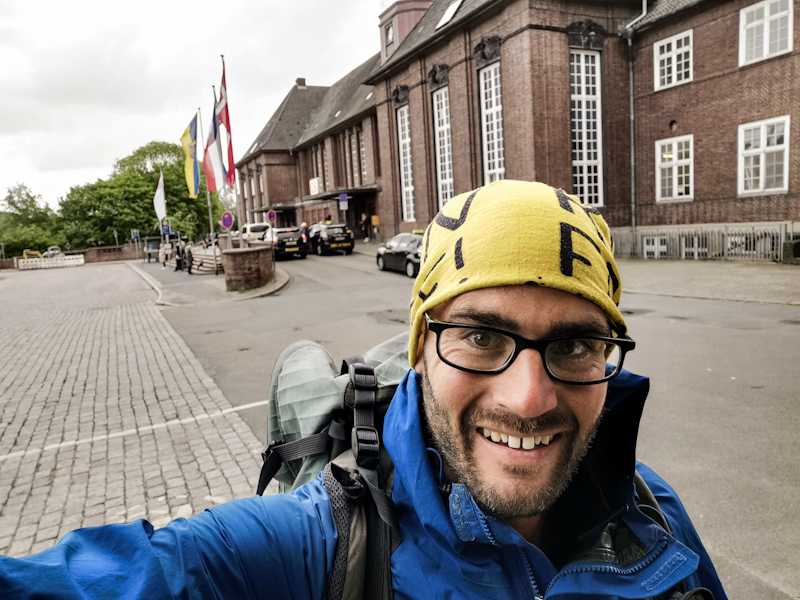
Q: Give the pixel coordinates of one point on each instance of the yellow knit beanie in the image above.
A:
(516, 232)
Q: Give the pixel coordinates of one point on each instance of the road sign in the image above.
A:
(271, 216)
(67, 246)
(134, 234)
(343, 198)
(227, 220)
(165, 226)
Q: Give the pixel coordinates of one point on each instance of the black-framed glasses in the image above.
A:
(577, 360)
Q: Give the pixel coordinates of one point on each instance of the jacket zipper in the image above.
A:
(531, 578)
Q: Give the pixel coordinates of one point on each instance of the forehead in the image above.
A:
(533, 309)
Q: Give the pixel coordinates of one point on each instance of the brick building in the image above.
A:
(465, 92)
(268, 176)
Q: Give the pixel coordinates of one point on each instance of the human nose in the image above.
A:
(525, 388)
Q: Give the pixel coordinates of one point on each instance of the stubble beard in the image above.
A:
(524, 496)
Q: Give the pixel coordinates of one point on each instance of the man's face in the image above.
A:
(521, 402)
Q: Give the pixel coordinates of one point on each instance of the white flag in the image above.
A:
(159, 201)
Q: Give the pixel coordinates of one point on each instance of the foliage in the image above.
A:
(125, 201)
(89, 214)
(27, 223)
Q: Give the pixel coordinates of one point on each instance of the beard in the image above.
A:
(524, 493)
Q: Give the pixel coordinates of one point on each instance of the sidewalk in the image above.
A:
(741, 281)
(178, 288)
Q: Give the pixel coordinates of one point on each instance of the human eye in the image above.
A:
(483, 339)
(575, 349)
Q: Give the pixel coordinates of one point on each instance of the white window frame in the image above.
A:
(363, 152)
(443, 145)
(679, 165)
(355, 158)
(761, 152)
(765, 23)
(406, 165)
(491, 103)
(666, 52)
(586, 127)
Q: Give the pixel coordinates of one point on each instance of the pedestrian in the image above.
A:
(178, 256)
(512, 436)
(365, 227)
(162, 255)
(189, 259)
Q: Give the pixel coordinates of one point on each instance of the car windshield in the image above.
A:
(258, 228)
(335, 230)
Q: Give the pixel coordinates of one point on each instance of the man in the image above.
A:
(512, 439)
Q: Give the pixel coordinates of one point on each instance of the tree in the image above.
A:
(27, 223)
(125, 201)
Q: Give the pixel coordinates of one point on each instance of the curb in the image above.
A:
(280, 281)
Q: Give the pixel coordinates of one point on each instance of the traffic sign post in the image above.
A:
(226, 221)
(271, 216)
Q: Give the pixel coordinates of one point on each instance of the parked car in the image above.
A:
(289, 241)
(401, 253)
(324, 238)
(53, 252)
(254, 231)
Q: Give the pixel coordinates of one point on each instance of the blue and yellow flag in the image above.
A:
(189, 142)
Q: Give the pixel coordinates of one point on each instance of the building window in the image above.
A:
(363, 151)
(765, 30)
(348, 169)
(252, 187)
(494, 166)
(388, 34)
(261, 182)
(675, 168)
(442, 145)
(325, 169)
(672, 60)
(763, 154)
(406, 172)
(355, 159)
(586, 125)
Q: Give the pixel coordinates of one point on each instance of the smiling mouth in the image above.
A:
(525, 443)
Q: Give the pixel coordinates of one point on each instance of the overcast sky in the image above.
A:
(87, 82)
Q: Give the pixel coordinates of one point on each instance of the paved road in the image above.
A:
(105, 414)
(720, 423)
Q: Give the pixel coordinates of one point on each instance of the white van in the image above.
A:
(254, 231)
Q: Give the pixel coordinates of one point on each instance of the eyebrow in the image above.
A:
(589, 326)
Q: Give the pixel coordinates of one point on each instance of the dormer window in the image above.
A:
(388, 35)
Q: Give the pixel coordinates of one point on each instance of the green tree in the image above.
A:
(27, 223)
(90, 213)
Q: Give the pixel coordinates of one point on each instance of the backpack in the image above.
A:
(328, 420)
(321, 422)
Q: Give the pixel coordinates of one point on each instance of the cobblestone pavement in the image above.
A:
(106, 415)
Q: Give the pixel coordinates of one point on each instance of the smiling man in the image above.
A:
(512, 439)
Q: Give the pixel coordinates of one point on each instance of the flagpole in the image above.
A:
(208, 197)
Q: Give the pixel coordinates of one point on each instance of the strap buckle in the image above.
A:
(363, 377)
(366, 446)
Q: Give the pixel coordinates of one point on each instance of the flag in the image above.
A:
(225, 123)
(159, 201)
(192, 168)
(212, 161)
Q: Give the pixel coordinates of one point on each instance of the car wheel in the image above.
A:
(303, 255)
(319, 249)
(411, 269)
(349, 251)
(381, 264)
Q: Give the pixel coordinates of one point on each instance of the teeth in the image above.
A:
(526, 443)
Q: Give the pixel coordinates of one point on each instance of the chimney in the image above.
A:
(397, 21)
(301, 83)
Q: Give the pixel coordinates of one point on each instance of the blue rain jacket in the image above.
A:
(283, 546)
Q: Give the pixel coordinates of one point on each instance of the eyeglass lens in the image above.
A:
(577, 360)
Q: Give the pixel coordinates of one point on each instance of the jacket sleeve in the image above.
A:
(275, 547)
(683, 530)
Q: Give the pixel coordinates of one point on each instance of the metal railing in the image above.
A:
(721, 243)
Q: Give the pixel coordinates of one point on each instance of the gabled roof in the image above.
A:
(284, 129)
(425, 30)
(662, 9)
(344, 100)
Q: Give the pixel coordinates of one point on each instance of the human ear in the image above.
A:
(419, 364)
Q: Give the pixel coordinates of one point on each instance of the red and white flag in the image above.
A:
(212, 161)
(224, 119)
